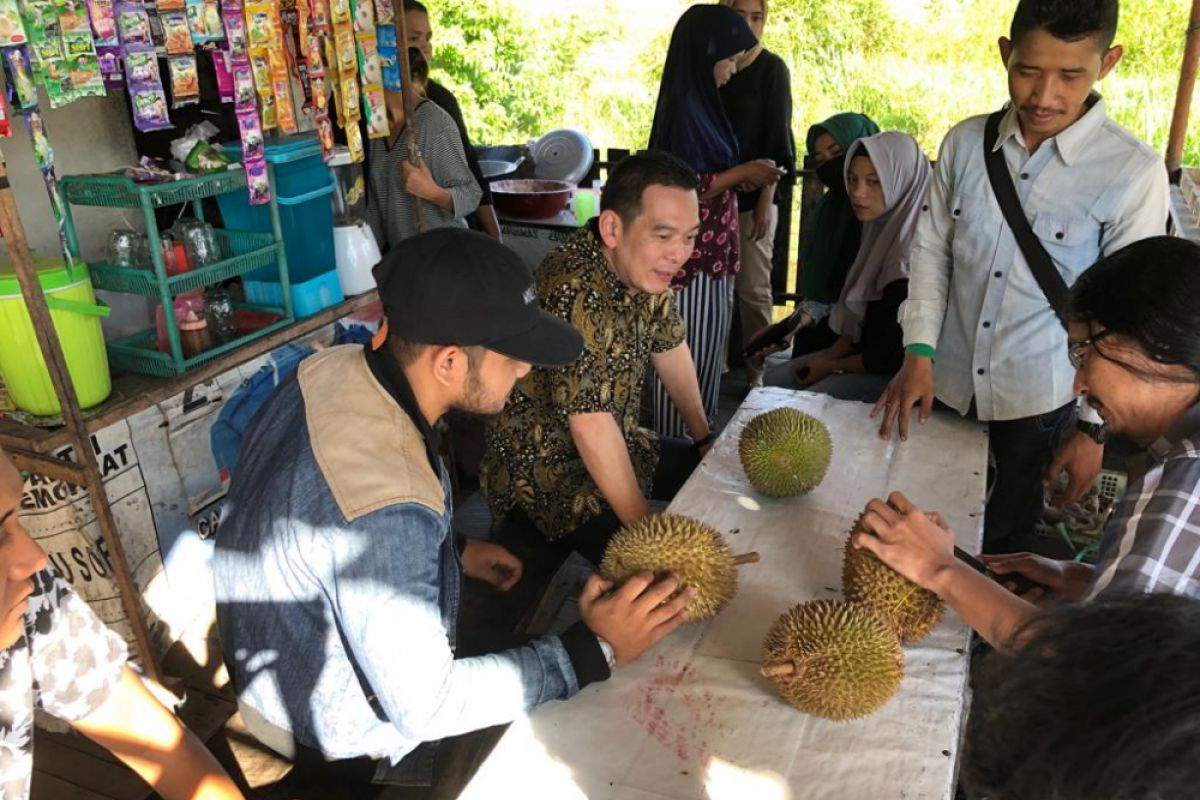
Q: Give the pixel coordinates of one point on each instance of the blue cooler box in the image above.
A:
(303, 185)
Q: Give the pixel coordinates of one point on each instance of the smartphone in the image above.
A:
(774, 336)
(1020, 583)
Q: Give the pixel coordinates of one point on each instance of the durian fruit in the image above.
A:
(833, 659)
(912, 611)
(785, 452)
(693, 551)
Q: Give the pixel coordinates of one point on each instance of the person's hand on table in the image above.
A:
(1081, 458)
(491, 564)
(635, 616)
(919, 546)
(1061, 581)
(913, 384)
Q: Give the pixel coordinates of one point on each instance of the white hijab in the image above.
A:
(885, 248)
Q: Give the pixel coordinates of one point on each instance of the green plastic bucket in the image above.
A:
(76, 315)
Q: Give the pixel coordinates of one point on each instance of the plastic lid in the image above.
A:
(192, 322)
(562, 155)
(52, 274)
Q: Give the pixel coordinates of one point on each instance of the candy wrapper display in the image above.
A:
(185, 80)
(12, 30)
(317, 39)
(108, 43)
(204, 19)
(375, 107)
(19, 78)
(141, 66)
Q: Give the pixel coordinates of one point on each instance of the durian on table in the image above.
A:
(912, 611)
(697, 555)
(833, 659)
(785, 452)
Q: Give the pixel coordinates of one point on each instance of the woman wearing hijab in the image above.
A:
(690, 122)
(829, 241)
(758, 100)
(886, 178)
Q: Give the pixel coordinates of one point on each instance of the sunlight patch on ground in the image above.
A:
(726, 781)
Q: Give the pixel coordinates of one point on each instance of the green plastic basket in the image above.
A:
(139, 352)
(117, 191)
(241, 251)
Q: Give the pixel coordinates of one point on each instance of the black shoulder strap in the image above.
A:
(1040, 262)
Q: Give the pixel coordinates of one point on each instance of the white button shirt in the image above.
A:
(1087, 192)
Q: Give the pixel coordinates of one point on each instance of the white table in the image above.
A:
(693, 718)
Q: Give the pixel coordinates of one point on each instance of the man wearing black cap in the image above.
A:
(337, 578)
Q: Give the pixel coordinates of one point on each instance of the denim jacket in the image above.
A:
(337, 582)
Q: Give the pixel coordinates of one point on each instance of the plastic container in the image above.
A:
(76, 315)
(308, 298)
(302, 184)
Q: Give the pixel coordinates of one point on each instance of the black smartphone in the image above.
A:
(1020, 583)
(773, 336)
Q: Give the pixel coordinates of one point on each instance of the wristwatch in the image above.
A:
(610, 655)
(1096, 431)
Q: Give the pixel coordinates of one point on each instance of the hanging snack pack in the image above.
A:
(185, 80)
(84, 78)
(245, 99)
(146, 93)
(389, 57)
(5, 125)
(204, 20)
(294, 19)
(43, 154)
(19, 78)
(177, 34)
(385, 12)
(12, 31)
(223, 71)
(108, 43)
(316, 42)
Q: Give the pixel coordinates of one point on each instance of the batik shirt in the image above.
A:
(66, 663)
(531, 461)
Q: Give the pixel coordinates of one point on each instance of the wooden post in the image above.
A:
(410, 97)
(1183, 98)
(64, 390)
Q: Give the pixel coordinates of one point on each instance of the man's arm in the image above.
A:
(677, 371)
(394, 585)
(920, 549)
(601, 445)
(149, 739)
(923, 311)
(1142, 209)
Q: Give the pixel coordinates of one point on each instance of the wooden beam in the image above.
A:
(1183, 97)
(46, 465)
(64, 389)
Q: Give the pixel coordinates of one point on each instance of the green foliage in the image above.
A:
(523, 67)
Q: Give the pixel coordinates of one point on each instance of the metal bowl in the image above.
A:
(531, 199)
(492, 169)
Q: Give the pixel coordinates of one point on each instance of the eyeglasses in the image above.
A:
(1077, 351)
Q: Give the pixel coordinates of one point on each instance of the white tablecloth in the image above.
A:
(693, 718)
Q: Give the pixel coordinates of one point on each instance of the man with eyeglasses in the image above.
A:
(1134, 341)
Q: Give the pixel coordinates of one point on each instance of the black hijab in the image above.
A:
(689, 119)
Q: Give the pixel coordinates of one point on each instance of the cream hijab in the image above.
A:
(885, 248)
(747, 58)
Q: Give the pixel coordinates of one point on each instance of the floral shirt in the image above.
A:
(718, 247)
(531, 461)
(66, 664)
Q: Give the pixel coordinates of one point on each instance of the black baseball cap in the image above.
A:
(456, 286)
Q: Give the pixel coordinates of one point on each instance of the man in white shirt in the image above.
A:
(976, 316)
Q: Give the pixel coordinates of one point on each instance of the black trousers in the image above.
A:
(1023, 449)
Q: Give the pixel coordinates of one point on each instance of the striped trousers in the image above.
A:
(706, 308)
